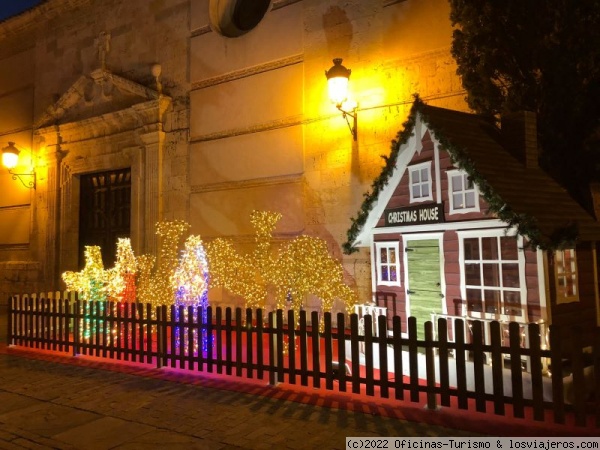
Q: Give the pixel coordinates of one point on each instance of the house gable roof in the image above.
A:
(525, 198)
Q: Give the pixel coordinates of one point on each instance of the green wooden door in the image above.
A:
(424, 283)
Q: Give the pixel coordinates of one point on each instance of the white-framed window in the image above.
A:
(462, 193)
(419, 180)
(565, 272)
(388, 263)
(494, 273)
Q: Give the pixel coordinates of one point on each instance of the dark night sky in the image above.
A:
(10, 8)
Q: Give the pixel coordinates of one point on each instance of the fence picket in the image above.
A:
(149, 340)
(192, 336)
(354, 351)
(341, 346)
(291, 337)
(76, 328)
(497, 367)
(249, 344)
(228, 341)
(280, 346)
(160, 331)
(328, 352)
(369, 356)
(238, 342)
(383, 355)
(430, 366)
(316, 348)
(11, 315)
(272, 344)
(461, 365)
(478, 362)
(442, 326)
(219, 334)
(413, 362)
(398, 374)
(210, 340)
(303, 349)
(514, 333)
(535, 358)
(259, 344)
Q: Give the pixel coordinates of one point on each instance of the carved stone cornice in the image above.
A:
(283, 3)
(246, 184)
(273, 125)
(248, 72)
(32, 18)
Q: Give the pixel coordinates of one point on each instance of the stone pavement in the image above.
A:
(48, 403)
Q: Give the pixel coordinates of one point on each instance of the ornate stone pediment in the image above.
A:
(104, 96)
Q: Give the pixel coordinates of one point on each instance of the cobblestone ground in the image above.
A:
(49, 404)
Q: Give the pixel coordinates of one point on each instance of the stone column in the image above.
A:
(153, 187)
(48, 207)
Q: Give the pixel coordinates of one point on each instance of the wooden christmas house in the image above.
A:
(463, 223)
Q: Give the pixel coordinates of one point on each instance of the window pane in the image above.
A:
(510, 275)
(474, 300)
(392, 255)
(393, 275)
(571, 286)
(512, 303)
(470, 200)
(468, 183)
(416, 177)
(424, 174)
(384, 256)
(456, 183)
(471, 248)
(558, 256)
(472, 274)
(424, 190)
(492, 301)
(491, 275)
(457, 201)
(416, 190)
(508, 248)
(384, 273)
(489, 248)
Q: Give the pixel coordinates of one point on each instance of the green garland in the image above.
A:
(525, 224)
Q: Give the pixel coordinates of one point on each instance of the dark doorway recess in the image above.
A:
(104, 212)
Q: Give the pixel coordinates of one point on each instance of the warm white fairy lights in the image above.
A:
(301, 268)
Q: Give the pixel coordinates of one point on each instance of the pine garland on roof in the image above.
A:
(382, 180)
(525, 224)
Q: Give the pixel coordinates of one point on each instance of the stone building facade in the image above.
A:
(215, 108)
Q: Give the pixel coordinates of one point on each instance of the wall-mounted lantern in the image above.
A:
(10, 159)
(337, 81)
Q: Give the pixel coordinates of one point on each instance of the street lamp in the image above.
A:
(337, 82)
(10, 159)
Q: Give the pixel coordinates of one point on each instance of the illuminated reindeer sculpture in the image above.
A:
(301, 268)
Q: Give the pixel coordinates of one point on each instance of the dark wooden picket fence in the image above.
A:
(280, 347)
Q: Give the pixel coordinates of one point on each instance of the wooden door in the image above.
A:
(104, 212)
(424, 281)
